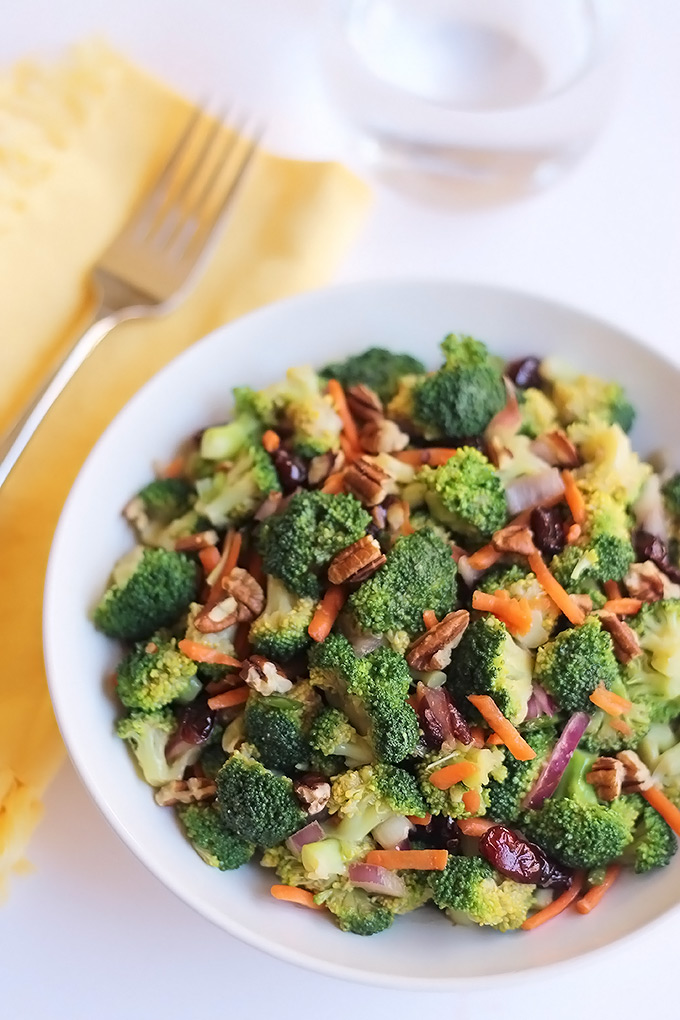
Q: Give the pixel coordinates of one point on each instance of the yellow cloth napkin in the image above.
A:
(79, 142)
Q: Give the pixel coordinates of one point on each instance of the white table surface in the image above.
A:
(91, 933)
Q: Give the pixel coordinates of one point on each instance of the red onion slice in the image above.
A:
(540, 703)
(508, 420)
(374, 879)
(551, 773)
(393, 831)
(533, 490)
(311, 833)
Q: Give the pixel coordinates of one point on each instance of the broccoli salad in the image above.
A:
(411, 639)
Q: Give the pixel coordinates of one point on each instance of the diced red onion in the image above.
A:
(533, 490)
(468, 573)
(556, 448)
(194, 725)
(551, 773)
(540, 703)
(508, 420)
(649, 509)
(311, 833)
(374, 879)
(393, 831)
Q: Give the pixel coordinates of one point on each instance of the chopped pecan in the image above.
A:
(357, 562)
(383, 436)
(248, 593)
(367, 481)
(637, 776)
(584, 602)
(648, 582)
(626, 642)
(557, 449)
(323, 465)
(269, 506)
(364, 403)
(264, 676)
(432, 650)
(185, 791)
(515, 538)
(313, 792)
(218, 616)
(607, 775)
(199, 540)
(396, 513)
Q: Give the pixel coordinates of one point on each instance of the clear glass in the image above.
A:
(491, 96)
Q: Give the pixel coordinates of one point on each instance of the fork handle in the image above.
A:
(15, 441)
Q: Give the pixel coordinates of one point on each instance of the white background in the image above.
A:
(91, 933)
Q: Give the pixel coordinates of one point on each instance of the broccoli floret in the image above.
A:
(666, 773)
(418, 892)
(574, 663)
(280, 633)
(147, 733)
(576, 828)
(604, 551)
(212, 840)
(580, 397)
(297, 543)
(255, 803)
(333, 734)
(520, 583)
(213, 755)
(155, 673)
(502, 576)
(654, 842)
(366, 797)
(277, 726)
(289, 868)
(603, 738)
(252, 415)
(470, 891)
(220, 640)
(489, 764)
(354, 910)
(231, 496)
(539, 414)
(488, 661)
(371, 691)
(150, 589)
(465, 494)
(419, 574)
(161, 512)
(419, 519)
(462, 397)
(609, 463)
(671, 496)
(505, 798)
(303, 409)
(378, 368)
(653, 678)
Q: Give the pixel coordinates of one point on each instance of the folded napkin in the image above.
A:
(79, 142)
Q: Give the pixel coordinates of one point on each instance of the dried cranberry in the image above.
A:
(524, 372)
(432, 728)
(520, 860)
(651, 547)
(291, 470)
(459, 726)
(546, 524)
(194, 725)
(441, 832)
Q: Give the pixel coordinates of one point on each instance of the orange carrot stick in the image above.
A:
(574, 498)
(612, 590)
(612, 704)
(233, 553)
(337, 395)
(430, 618)
(514, 613)
(291, 894)
(174, 469)
(620, 726)
(418, 820)
(554, 589)
(271, 440)
(474, 826)
(236, 696)
(434, 456)
(472, 801)
(484, 557)
(557, 906)
(591, 899)
(573, 533)
(197, 652)
(351, 452)
(334, 483)
(448, 776)
(413, 860)
(493, 740)
(327, 612)
(209, 557)
(663, 805)
(623, 607)
(491, 713)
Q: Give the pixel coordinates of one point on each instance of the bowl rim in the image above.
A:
(166, 875)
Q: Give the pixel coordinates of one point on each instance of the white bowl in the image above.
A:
(421, 950)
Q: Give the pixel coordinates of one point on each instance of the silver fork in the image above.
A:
(151, 264)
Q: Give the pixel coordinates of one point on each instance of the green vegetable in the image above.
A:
(155, 673)
(277, 726)
(146, 734)
(574, 663)
(232, 495)
(654, 842)
(539, 414)
(520, 583)
(255, 803)
(465, 494)
(505, 797)
(580, 397)
(376, 367)
(213, 841)
(354, 910)
(280, 633)
(653, 678)
(365, 797)
(671, 495)
(333, 734)
(489, 763)
(470, 891)
(604, 551)
(602, 738)
(488, 661)
(609, 463)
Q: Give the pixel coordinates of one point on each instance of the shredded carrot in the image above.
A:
(554, 589)
(573, 533)
(406, 526)
(414, 860)
(612, 704)
(435, 456)
(174, 469)
(474, 827)
(491, 713)
(197, 652)
(420, 819)
(663, 805)
(241, 641)
(327, 612)
(574, 498)
(233, 552)
(623, 607)
(255, 567)
(591, 899)
(472, 801)
(351, 452)
(430, 618)
(236, 696)
(271, 441)
(292, 894)
(620, 726)
(337, 395)
(478, 736)
(484, 557)
(514, 613)
(209, 557)
(334, 483)
(493, 740)
(612, 590)
(557, 906)
(447, 777)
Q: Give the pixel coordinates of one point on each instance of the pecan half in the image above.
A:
(648, 582)
(364, 403)
(357, 562)
(199, 540)
(218, 616)
(637, 776)
(264, 676)
(432, 650)
(323, 465)
(584, 602)
(557, 449)
(248, 594)
(607, 775)
(515, 538)
(185, 791)
(383, 436)
(367, 481)
(626, 642)
(313, 792)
